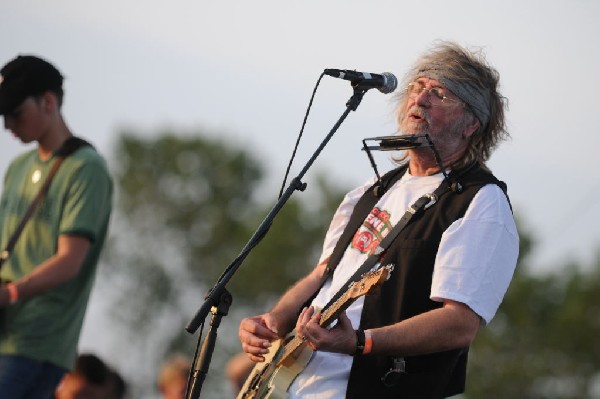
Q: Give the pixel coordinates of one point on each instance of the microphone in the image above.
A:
(385, 83)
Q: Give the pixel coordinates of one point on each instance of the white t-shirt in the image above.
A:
(474, 265)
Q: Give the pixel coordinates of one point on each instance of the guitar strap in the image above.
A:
(419, 206)
(415, 209)
(69, 146)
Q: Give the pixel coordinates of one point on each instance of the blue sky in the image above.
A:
(245, 70)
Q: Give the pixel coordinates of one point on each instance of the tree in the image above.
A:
(543, 342)
(293, 242)
(186, 206)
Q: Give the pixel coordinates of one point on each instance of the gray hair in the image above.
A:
(467, 74)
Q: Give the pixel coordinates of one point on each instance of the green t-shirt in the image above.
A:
(47, 327)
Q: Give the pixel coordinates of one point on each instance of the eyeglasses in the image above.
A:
(435, 95)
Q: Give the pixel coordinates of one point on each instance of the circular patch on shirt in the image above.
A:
(36, 175)
(364, 241)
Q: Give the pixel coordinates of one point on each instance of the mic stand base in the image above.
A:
(203, 361)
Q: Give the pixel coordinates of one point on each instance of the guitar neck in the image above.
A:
(328, 315)
(332, 311)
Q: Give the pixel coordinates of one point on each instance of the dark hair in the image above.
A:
(28, 76)
(96, 372)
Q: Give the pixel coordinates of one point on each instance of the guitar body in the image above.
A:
(270, 379)
(284, 375)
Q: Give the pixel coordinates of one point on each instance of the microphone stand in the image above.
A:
(218, 298)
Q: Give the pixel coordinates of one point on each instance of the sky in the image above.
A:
(244, 71)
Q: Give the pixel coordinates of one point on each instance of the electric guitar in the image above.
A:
(287, 357)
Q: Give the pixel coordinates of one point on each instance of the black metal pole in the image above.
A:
(218, 293)
(202, 364)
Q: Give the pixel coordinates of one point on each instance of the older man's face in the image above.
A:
(430, 108)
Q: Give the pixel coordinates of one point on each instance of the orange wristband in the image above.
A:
(13, 293)
(368, 343)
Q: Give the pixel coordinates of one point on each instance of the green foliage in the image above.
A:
(186, 206)
(196, 188)
(180, 216)
(198, 196)
(543, 342)
(291, 247)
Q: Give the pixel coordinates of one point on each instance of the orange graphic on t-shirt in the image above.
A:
(375, 227)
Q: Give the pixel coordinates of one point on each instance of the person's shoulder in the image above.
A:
(87, 154)
(22, 159)
(490, 202)
(492, 191)
(25, 155)
(87, 163)
(475, 176)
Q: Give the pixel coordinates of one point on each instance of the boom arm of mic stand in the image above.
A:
(218, 292)
(212, 298)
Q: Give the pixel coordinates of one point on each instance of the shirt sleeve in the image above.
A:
(88, 201)
(478, 254)
(341, 217)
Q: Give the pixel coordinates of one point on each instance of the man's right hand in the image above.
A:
(256, 334)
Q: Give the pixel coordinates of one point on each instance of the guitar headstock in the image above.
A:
(368, 282)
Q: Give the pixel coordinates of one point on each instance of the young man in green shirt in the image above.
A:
(48, 276)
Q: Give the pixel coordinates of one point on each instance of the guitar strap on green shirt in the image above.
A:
(69, 146)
